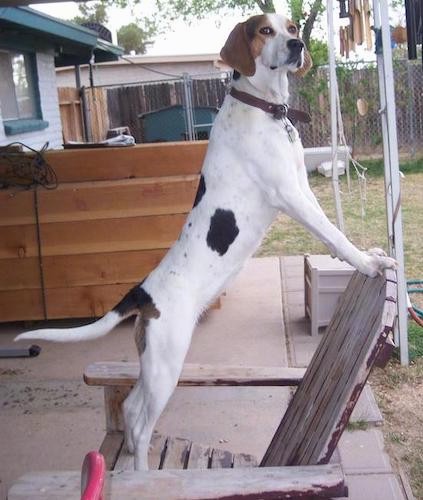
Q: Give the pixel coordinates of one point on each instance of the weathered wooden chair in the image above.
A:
(305, 440)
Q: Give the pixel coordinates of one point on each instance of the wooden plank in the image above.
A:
(221, 459)
(115, 373)
(100, 200)
(85, 301)
(199, 457)
(321, 407)
(70, 113)
(75, 302)
(125, 461)
(265, 483)
(111, 448)
(21, 305)
(244, 460)
(20, 274)
(176, 453)
(143, 160)
(79, 270)
(100, 269)
(88, 237)
(156, 452)
(113, 400)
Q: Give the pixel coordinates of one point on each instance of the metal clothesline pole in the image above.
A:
(390, 153)
(391, 164)
(333, 89)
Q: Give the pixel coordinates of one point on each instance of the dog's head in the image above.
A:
(269, 39)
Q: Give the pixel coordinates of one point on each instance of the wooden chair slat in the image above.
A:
(221, 459)
(157, 450)
(125, 460)
(244, 460)
(176, 454)
(111, 447)
(199, 457)
(266, 482)
(322, 404)
(125, 374)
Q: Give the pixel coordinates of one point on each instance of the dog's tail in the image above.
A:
(88, 332)
(125, 308)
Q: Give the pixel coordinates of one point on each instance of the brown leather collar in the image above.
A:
(278, 111)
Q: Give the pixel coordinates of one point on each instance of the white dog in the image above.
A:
(254, 168)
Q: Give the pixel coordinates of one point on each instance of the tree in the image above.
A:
(132, 37)
(303, 12)
(95, 13)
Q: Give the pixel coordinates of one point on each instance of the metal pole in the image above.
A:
(333, 88)
(84, 113)
(391, 161)
(189, 118)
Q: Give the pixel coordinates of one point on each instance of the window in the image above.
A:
(19, 94)
(17, 87)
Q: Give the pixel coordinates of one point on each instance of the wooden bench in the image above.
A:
(358, 335)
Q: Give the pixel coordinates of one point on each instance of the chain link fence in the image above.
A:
(359, 84)
(184, 108)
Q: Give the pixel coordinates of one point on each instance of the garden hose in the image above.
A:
(415, 312)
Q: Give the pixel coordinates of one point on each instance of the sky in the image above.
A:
(202, 37)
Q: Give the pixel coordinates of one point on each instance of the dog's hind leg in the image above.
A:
(166, 343)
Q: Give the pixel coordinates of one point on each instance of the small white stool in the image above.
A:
(325, 279)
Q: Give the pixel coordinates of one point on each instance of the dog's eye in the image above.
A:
(292, 29)
(266, 30)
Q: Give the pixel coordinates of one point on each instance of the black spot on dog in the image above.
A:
(136, 300)
(200, 191)
(236, 75)
(189, 224)
(223, 231)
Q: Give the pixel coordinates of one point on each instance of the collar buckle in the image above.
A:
(279, 111)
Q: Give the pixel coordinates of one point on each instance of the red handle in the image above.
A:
(92, 477)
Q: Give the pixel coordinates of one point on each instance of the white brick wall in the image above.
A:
(49, 108)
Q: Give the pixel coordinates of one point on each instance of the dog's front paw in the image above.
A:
(377, 261)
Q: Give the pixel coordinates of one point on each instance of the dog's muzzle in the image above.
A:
(295, 47)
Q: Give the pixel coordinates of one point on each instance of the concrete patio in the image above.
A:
(50, 419)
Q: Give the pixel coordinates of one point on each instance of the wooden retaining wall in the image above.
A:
(113, 216)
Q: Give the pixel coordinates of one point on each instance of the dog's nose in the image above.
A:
(295, 44)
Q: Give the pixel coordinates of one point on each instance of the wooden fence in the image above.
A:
(126, 103)
(109, 222)
(71, 112)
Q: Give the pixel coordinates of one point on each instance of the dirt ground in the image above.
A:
(399, 394)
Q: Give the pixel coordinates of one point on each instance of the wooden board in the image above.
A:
(111, 448)
(79, 270)
(143, 160)
(21, 305)
(269, 482)
(113, 216)
(100, 200)
(125, 374)
(92, 236)
(322, 405)
(77, 302)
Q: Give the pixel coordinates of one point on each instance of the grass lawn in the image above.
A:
(399, 390)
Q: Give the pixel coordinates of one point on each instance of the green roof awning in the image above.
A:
(23, 27)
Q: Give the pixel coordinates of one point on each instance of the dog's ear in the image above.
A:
(307, 64)
(236, 52)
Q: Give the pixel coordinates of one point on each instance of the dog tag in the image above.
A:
(290, 131)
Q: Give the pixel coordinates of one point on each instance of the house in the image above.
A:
(32, 46)
(144, 68)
